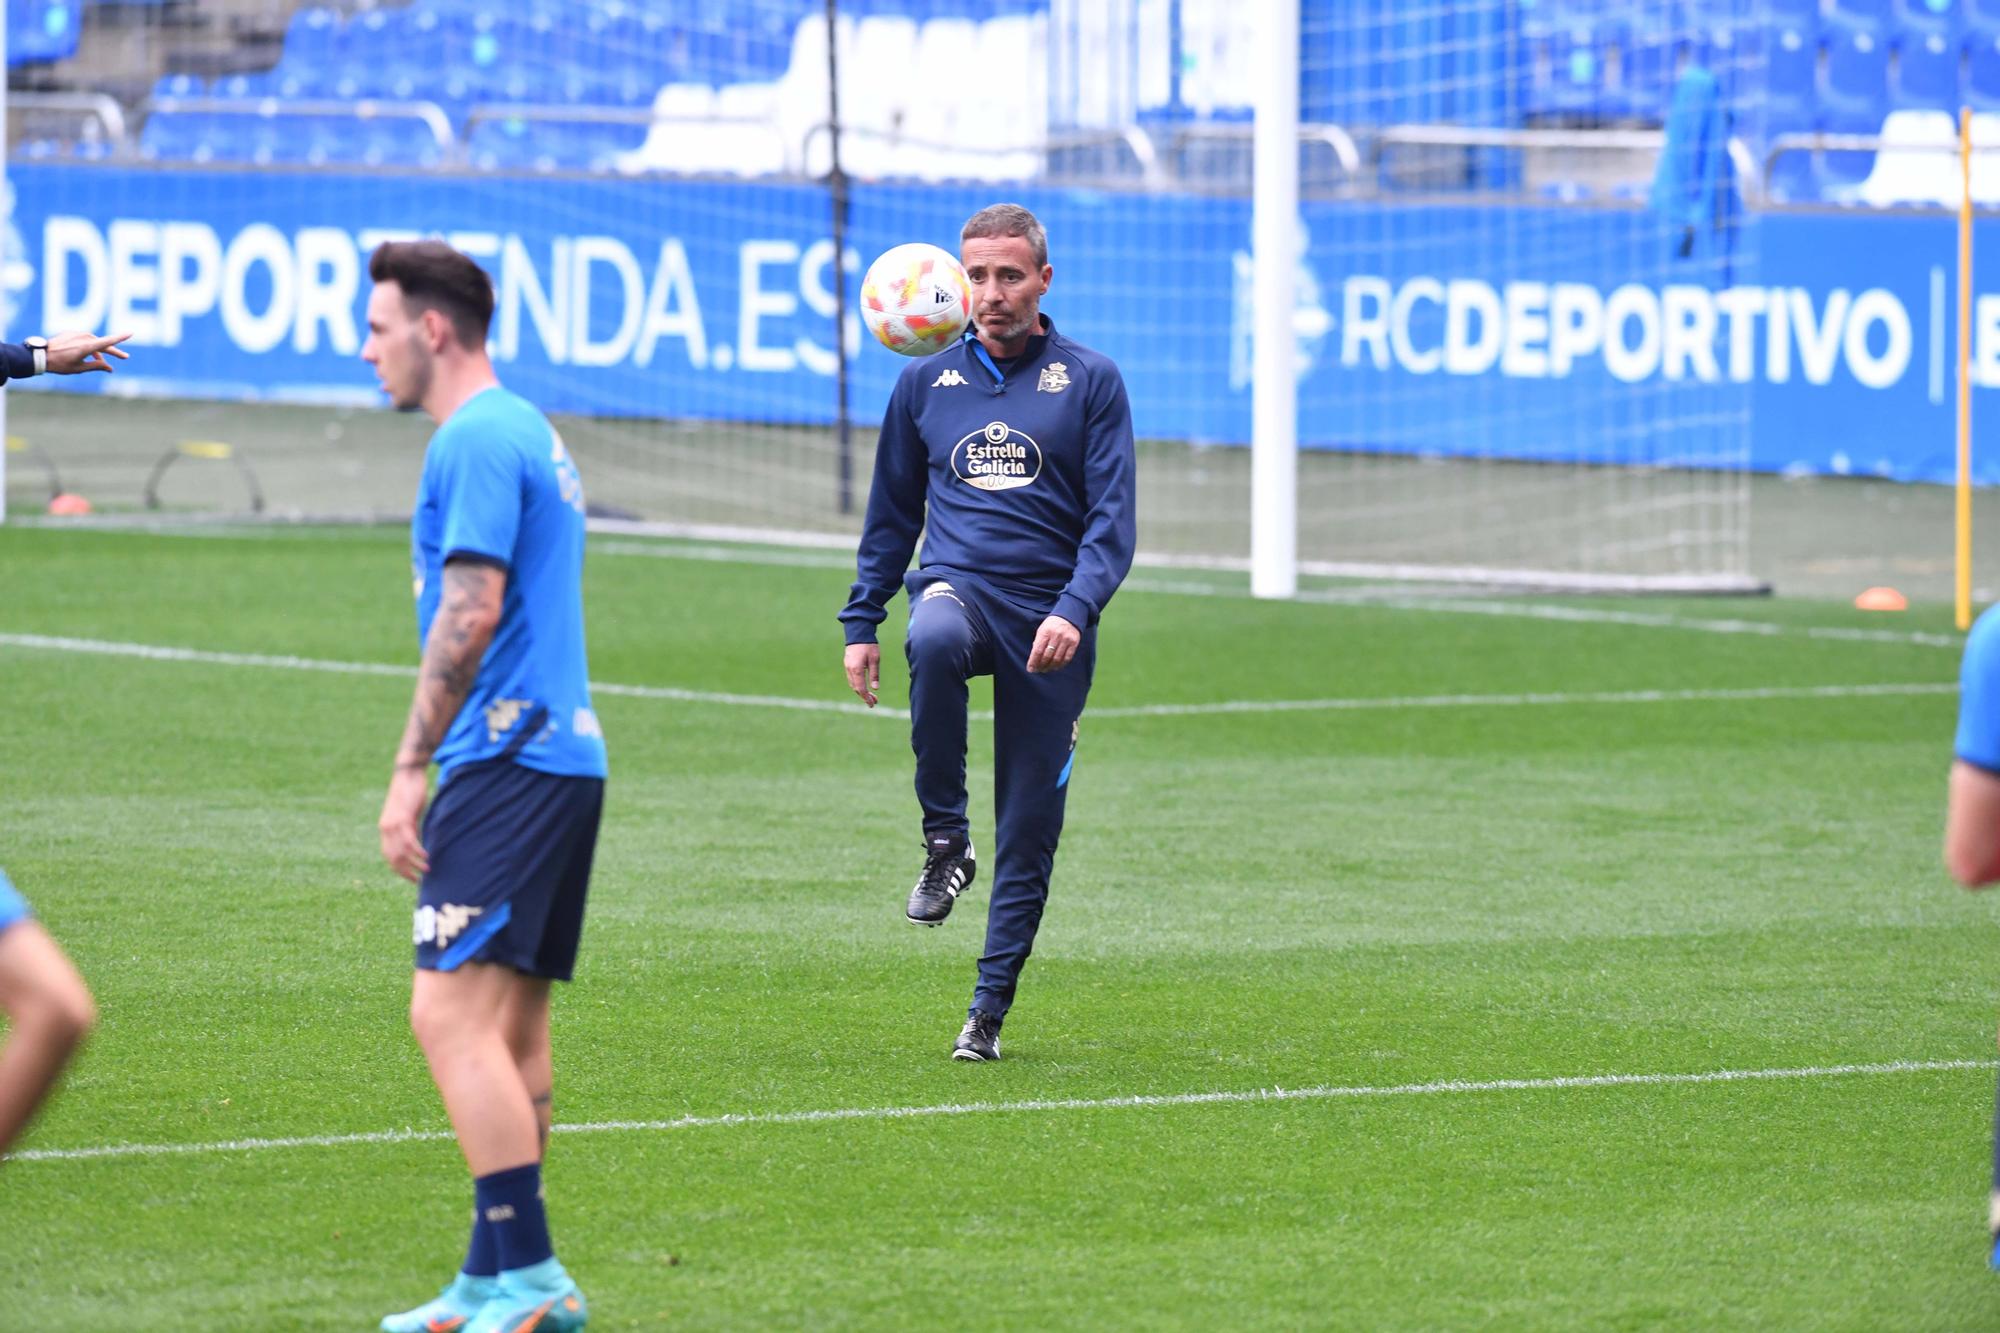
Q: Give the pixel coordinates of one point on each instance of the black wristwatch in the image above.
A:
(40, 347)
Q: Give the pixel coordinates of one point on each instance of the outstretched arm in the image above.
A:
(467, 615)
(50, 1010)
(1972, 826)
(888, 539)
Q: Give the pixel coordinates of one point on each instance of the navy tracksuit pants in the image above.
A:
(960, 629)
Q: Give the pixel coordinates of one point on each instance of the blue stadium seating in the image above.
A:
(1792, 68)
(1875, 16)
(1568, 72)
(1857, 74)
(501, 145)
(1840, 172)
(39, 30)
(1927, 66)
(1920, 16)
(313, 36)
(1647, 72)
(1838, 65)
(180, 85)
(1789, 13)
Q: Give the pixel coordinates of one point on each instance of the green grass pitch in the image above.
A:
(1424, 890)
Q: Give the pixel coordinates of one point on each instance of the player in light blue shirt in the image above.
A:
(48, 1008)
(502, 858)
(1972, 818)
(499, 489)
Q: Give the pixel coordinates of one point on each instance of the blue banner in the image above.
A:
(1826, 344)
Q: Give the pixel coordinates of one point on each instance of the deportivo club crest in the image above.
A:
(1055, 378)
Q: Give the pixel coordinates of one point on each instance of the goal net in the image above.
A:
(1511, 359)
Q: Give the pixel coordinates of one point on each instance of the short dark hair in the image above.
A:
(1008, 220)
(434, 276)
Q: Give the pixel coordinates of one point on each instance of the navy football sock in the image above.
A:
(510, 1202)
(482, 1256)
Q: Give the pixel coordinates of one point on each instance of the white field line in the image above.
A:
(835, 552)
(159, 653)
(1647, 619)
(1321, 1092)
(1374, 595)
(1527, 700)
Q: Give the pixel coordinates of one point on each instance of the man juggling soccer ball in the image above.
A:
(502, 707)
(1014, 445)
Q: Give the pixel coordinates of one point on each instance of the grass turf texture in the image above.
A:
(1247, 900)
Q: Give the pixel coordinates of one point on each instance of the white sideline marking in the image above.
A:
(1646, 619)
(790, 552)
(1526, 700)
(1317, 1093)
(157, 653)
(1373, 595)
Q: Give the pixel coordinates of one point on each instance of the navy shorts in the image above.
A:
(510, 850)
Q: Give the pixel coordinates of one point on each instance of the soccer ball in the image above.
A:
(915, 299)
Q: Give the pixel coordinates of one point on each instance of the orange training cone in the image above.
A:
(69, 505)
(1881, 599)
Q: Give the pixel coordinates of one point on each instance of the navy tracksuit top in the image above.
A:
(1028, 478)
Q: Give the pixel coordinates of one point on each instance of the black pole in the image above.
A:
(836, 185)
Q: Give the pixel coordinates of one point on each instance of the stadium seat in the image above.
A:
(802, 95)
(746, 139)
(641, 42)
(1014, 41)
(540, 145)
(1924, 16)
(1649, 55)
(1926, 71)
(1569, 77)
(942, 43)
(375, 35)
(1985, 166)
(246, 87)
(39, 30)
(1875, 16)
(313, 36)
(1857, 74)
(500, 145)
(1841, 172)
(673, 143)
(1792, 179)
(1918, 163)
(1982, 70)
(1796, 13)
(171, 136)
(1792, 64)
(180, 85)
(875, 109)
(1545, 18)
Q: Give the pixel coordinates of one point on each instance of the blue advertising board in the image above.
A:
(1538, 332)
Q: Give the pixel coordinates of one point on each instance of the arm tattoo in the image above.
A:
(460, 633)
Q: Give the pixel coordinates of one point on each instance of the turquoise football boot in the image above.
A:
(456, 1306)
(541, 1299)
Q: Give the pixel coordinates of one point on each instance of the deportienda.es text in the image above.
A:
(587, 300)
